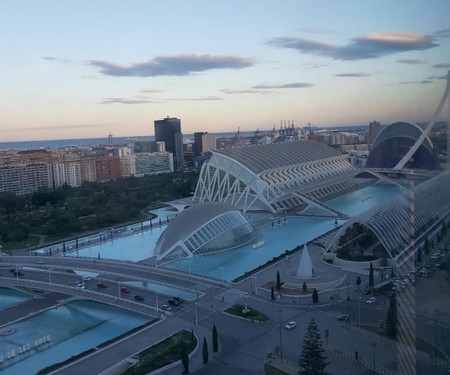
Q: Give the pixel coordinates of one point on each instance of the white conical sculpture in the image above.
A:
(305, 268)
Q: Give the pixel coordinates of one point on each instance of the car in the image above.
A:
(78, 283)
(138, 298)
(166, 307)
(371, 300)
(87, 278)
(124, 290)
(40, 261)
(80, 286)
(178, 299)
(290, 325)
(343, 317)
(173, 302)
(18, 273)
(101, 285)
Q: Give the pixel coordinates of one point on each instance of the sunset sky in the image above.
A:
(81, 69)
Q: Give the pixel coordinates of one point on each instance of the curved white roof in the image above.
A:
(273, 177)
(275, 155)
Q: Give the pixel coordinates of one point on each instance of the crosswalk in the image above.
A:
(231, 295)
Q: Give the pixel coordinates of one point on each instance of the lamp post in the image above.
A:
(281, 341)
(29, 252)
(223, 275)
(373, 343)
(118, 289)
(50, 275)
(348, 304)
(256, 286)
(435, 338)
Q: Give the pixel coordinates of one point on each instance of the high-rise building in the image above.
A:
(165, 131)
(204, 142)
(374, 130)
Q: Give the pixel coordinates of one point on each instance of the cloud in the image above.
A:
(410, 61)
(243, 91)
(294, 85)
(354, 74)
(437, 77)
(423, 82)
(443, 33)
(208, 98)
(127, 101)
(441, 65)
(151, 91)
(179, 65)
(365, 47)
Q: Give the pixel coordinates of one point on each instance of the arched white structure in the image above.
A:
(204, 229)
(404, 218)
(273, 177)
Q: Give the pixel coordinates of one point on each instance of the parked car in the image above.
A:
(80, 286)
(166, 307)
(343, 317)
(291, 325)
(124, 289)
(173, 302)
(178, 299)
(40, 261)
(371, 300)
(138, 298)
(87, 278)
(101, 285)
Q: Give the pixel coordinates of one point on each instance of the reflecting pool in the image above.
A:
(11, 297)
(58, 334)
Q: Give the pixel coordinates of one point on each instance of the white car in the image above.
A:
(87, 278)
(290, 325)
(41, 261)
(371, 300)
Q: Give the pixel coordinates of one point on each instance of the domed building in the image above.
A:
(394, 141)
(204, 229)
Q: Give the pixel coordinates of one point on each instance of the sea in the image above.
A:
(80, 142)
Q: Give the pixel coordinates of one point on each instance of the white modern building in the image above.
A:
(274, 177)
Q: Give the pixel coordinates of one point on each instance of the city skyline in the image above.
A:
(83, 69)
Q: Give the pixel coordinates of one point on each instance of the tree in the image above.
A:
(184, 359)
(358, 281)
(371, 275)
(391, 318)
(304, 286)
(315, 296)
(278, 280)
(312, 361)
(205, 351)
(272, 293)
(419, 255)
(214, 338)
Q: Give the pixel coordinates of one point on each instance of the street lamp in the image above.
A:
(256, 287)
(157, 306)
(29, 252)
(223, 275)
(281, 341)
(50, 275)
(373, 343)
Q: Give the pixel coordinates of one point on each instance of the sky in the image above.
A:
(88, 68)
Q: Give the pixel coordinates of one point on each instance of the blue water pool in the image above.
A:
(11, 297)
(64, 332)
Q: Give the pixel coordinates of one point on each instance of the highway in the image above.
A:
(57, 274)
